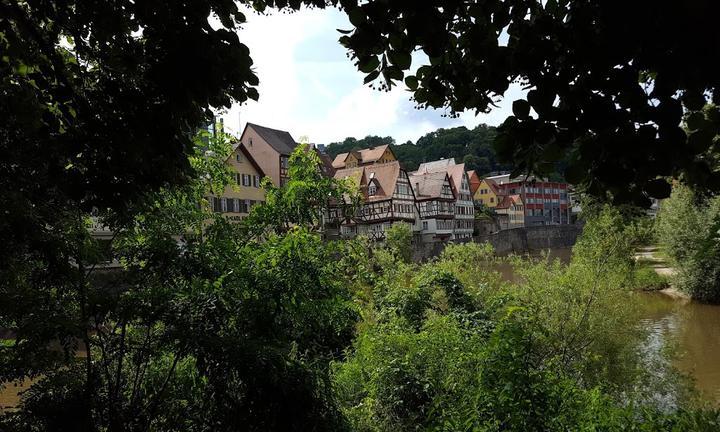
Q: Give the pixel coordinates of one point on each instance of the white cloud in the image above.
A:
(310, 88)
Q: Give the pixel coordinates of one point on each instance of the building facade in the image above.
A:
(463, 225)
(544, 202)
(488, 194)
(245, 192)
(271, 149)
(387, 198)
(436, 206)
(511, 212)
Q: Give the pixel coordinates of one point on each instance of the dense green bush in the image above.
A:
(398, 239)
(647, 279)
(687, 228)
(449, 346)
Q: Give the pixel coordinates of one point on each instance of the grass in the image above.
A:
(645, 278)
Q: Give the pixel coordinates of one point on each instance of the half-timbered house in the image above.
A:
(463, 224)
(388, 198)
(436, 205)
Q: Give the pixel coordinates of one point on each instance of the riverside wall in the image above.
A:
(515, 240)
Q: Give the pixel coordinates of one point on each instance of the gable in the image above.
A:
(388, 156)
(281, 141)
(245, 162)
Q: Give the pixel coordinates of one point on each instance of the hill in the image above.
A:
(471, 146)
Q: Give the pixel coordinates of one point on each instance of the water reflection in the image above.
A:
(694, 329)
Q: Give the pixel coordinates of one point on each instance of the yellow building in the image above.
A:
(511, 212)
(240, 197)
(488, 194)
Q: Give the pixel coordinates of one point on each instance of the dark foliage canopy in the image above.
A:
(609, 81)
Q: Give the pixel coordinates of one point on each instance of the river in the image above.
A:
(692, 328)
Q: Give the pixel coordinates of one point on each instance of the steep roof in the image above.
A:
(497, 190)
(237, 145)
(327, 163)
(428, 185)
(339, 161)
(474, 181)
(372, 154)
(456, 173)
(386, 176)
(281, 141)
(364, 156)
(383, 175)
(438, 165)
(454, 170)
(509, 200)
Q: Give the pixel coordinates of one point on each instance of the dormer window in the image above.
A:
(372, 189)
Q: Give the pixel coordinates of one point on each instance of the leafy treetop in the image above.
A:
(609, 82)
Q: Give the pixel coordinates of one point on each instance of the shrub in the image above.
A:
(647, 279)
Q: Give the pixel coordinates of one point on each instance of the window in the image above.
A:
(492, 200)
(242, 206)
(238, 158)
(250, 142)
(283, 162)
(372, 189)
(237, 178)
(256, 181)
(230, 205)
(217, 206)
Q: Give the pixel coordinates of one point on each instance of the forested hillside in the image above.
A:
(472, 146)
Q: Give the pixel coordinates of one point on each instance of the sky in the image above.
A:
(310, 88)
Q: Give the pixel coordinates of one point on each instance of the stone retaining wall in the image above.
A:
(515, 240)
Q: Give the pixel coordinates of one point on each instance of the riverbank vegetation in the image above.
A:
(262, 325)
(687, 228)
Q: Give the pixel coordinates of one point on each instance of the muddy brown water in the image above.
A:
(692, 328)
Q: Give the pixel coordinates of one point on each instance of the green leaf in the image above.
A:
(371, 76)
(521, 109)
(412, 82)
(393, 72)
(357, 16)
(400, 59)
(369, 64)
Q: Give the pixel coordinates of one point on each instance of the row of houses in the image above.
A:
(523, 201)
(439, 200)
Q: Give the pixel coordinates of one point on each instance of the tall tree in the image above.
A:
(608, 81)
